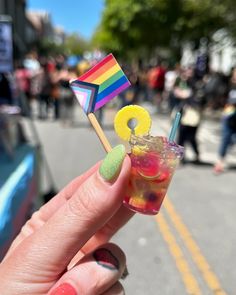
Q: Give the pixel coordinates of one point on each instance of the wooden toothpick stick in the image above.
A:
(93, 120)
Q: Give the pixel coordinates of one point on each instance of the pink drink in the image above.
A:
(154, 160)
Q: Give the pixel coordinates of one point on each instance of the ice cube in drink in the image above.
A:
(153, 163)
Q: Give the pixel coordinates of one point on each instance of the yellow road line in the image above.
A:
(190, 282)
(200, 261)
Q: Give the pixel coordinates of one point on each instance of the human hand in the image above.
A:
(63, 248)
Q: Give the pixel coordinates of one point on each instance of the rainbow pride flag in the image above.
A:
(100, 84)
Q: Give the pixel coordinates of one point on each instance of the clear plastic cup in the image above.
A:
(153, 163)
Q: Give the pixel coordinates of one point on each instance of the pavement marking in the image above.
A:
(188, 278)
(200, 261)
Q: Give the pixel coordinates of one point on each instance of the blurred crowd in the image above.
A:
(189, 90)
(170, 89)
(47, 82)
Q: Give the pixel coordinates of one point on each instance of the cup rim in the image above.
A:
(173, 146)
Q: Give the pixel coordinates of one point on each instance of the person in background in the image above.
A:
(55, 90)
(156, 83)
(5, 90)
(182, 88)
(23, 80)
(228, 136)
(190, 107)
(143, 87)
(66, 95)
(31, 62)
(44, 96)
(127, 97)
(216, 89)
(170, 77)
(232, 82)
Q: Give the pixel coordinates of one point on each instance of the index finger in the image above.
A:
(46, 211)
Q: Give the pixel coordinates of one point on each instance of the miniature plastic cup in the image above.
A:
(153, 163)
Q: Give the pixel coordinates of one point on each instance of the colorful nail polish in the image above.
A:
(64, 289)
(110, 167)
(105, 258)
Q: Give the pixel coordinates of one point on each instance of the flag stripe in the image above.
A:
(96, 67)
(81, 96)
(91, 102)
(107, 74)
(103, 82)
(82, 91)
(111, 95)
(85, 96)
(88, 99)
(110, 81)
(111, 88)
(86, 93)
(101, 71)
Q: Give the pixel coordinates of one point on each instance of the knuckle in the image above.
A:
(32, 224)
(26, 230)
(83, 204)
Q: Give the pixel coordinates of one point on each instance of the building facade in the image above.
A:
(16, 10)
(30, 28)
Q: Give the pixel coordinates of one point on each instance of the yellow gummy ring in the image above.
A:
(127, 113)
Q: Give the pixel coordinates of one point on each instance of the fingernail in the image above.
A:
(125, 273)
(110, 167)
(64, 289)
(106, 259)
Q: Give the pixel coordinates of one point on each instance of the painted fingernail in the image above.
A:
(106, 259)
(64, 289)
(111, 165)
(125, 273)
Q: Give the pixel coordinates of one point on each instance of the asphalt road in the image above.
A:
(190, 247)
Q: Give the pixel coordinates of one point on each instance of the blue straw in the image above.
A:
(175, 126)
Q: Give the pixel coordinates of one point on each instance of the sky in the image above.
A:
(80, 16)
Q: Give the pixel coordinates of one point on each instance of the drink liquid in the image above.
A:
(153, 163)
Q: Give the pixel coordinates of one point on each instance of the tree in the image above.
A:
(72, 45)
(46, 47)
(199, 19)
(230, 17)
(132, 27)
(75, 45)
